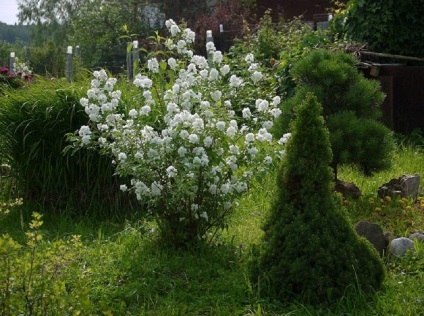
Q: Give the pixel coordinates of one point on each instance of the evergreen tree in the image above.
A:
(311, 251)
(351, 109)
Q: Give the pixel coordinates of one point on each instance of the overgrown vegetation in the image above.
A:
(84, 260)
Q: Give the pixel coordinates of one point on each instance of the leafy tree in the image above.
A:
(351, 108)
(387, 26)
(310, 251)
(93, 25)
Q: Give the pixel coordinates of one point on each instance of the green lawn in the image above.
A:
(118, 268)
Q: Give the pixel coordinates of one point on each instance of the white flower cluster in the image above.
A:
(198, 153)
(21, 68)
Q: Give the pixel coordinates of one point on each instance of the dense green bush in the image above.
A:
(387, 26)
(33, 125)
(311, 252)
(351, 108)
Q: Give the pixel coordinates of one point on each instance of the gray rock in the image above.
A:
(374, 233)
(418, 236)
(399, 246)
(405, 186)
(347, 189)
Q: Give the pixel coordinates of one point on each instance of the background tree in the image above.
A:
(351, 108)
(387, 26)
(311, 251)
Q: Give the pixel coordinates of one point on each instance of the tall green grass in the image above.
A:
(34, 122)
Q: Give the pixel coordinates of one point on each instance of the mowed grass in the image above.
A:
(122, 270)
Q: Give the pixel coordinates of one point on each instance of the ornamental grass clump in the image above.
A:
(310, 251)
(179, 141)
(33, 125)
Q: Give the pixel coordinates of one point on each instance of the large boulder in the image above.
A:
(347, 189)
(374, 233)
(404, 186)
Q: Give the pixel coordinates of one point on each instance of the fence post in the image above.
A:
(221, 37)
(135, 57)
(69, 64)
(129, 63)
(209, 39)
(11, 63)
(27, 54)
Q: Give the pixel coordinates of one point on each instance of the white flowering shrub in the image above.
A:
(188, 155)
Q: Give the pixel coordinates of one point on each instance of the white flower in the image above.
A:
(231, 131)
(172, 63)
(283, 140)
(268, 160)
(256, 76)
(276, 100)
(133, 113)
(262, 105)
(210, 47)
(153, 65)
(182, 151)
(216, 95)
(246, 113)
(213, 74)
(193, 138)
(220, 125)
(145, 110)
(122, 156)
(189, 35)
(249, 58)
(250, 137)
(253, 151)
(142, 82)
(208, 141)
(224, 70)
(174, 30)
(267, 125)
(171, 171)
(184, 134)
(234, 149)
(235, 82)
(123, 187)
(275, 112)
(217, 57)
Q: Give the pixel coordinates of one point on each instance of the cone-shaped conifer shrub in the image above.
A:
(347, 99)
(310, 251)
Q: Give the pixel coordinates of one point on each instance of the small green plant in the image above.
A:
(310, 251)
(33, 276)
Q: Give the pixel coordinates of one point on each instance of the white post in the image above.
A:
(135, 57)
(209, 39)
(69, 64)
(11, 63)
(221, 37)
